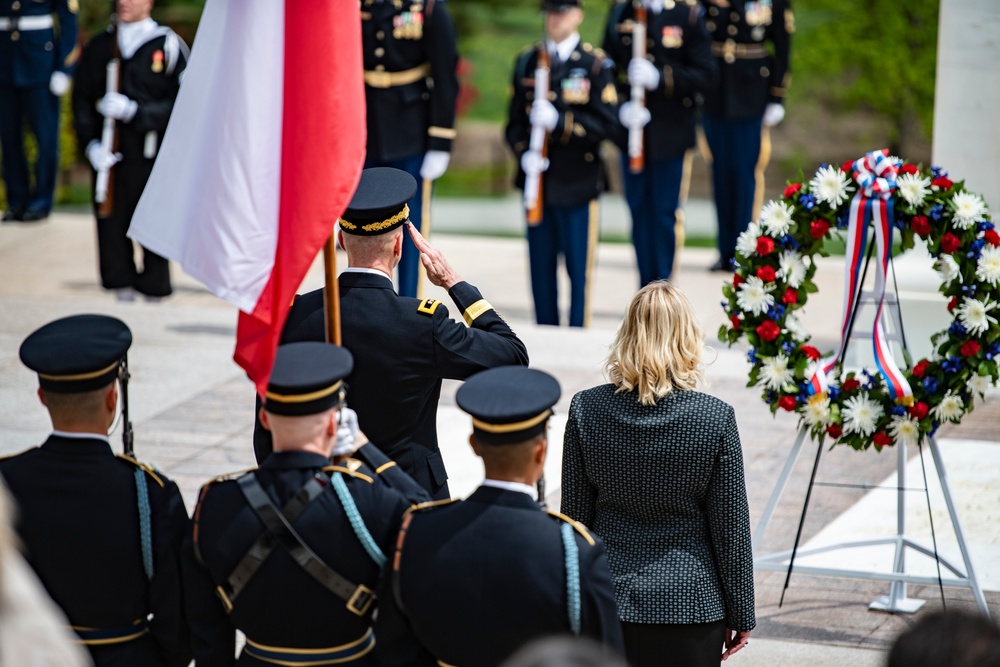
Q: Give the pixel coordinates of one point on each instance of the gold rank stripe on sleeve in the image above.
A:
(145, 466)
(419, 507)
(579, 527)
(428, 306)
(441, 132)
(351, 473)
(385, 466)
(475, 310)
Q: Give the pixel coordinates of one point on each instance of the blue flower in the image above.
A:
(808, 201)
(952, 365)
(752, 356)
(788, 242)
(823, 165)
(803, 397)
(931, 385)
(984, 225)
(937, 171)
(776, 312)
(833, 392)
(937, 211)
(934, 427)
(733, 264)
(842, 221)
(788, 347)
(956, 329)
(978, 244)
(969, 290)
(771, 396)
(899, 411)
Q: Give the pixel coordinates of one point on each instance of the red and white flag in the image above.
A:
(263, 152)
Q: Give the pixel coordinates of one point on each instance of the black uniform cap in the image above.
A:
(508, 404)
(379, 204)
(560, 5)
(307, 378)
(76, 354)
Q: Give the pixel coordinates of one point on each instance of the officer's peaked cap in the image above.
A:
(77, 354)
(508, 404)
(379, 203)
(307, 378)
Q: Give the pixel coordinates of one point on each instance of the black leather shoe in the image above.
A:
(11, 216)
(33, 215)
(721, 264)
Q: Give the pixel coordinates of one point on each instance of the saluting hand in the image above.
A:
(439, 272)
(735, 640)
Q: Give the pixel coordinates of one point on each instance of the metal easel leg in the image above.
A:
(779, 489)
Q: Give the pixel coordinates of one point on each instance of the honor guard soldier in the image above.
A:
(289, 554)
(103, 532)
(751, 43)
(474, 580)
(403, 347)
(411, 89)
(662, 79)
(578, 111)
(151, 61)
(35, 66)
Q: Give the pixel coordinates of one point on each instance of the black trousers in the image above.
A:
(669, 644)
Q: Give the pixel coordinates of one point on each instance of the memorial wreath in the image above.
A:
(773, 279)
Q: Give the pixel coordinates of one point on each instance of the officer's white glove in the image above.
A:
(434, 165)
(59, 83)
(631, 114)
(643, 73)
(100, 157)
(532, 162)
(774, 113)
(347, 433)
(117, 106)
(543, 114)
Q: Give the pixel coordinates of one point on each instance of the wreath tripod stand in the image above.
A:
(896, 601)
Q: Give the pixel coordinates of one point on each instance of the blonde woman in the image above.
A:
(655, 468)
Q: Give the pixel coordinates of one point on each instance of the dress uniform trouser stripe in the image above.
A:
(758, 173)
(593, 229)
(680, 219)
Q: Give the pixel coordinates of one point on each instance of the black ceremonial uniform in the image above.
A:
(402, 349)
(79, 521)
(287, 615)
(479, 578)
(151, 77)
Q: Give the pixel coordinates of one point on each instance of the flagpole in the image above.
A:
(425, 231)
(331, 291)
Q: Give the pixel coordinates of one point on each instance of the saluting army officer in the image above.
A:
(579, 113)
(402, 347)
(103, 532)
(36, 62)
(677, 68)
(292, 550)
(411, 88)
(474, 580)
(751, 42)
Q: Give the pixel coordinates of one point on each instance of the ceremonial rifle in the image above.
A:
(127, 434)
(539, 142)
(636, 159)
(105, 186)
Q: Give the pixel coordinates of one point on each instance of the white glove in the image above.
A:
(100, 157)
(117, 106)
(532, 162)
(643, 73)
(59, 83)
(434, 165)
(631, 114)
(543, 114)
(347, 433)
(773, 114)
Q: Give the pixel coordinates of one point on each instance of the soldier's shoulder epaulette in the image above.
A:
(420, 507)
(226, 477)
(352, 464)
(11, 456)
(579, 527)
(428, 306)
(350, 473)
(149, 470)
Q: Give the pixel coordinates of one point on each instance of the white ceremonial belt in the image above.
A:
(26, 22)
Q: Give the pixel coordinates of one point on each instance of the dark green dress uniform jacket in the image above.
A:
(479, 578)
(78, 520)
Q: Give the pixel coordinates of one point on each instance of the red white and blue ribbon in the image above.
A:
(876, 176)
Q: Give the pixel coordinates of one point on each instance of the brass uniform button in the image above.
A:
(765, 72)
(379, 52)
(16, 5)
(380, 34)
(14, 36)
(732, 30)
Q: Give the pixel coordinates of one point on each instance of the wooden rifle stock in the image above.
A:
(539, 142)
(636, 156)
(105, 190)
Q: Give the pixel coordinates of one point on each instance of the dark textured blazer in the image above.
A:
(663, 486)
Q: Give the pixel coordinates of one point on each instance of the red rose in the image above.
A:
(766, 273)
(949, 243)
(918, 410)
(810, 352)
(737, 280)
(790, 296)
(992, 237)
(818, 228)
(942, 182)
(765, 246)
(791, 189)
(834, 431)
(952, 303)
(920, 225)
(909, 168)
(851, 385)
(787, 403)
(881, 440)
(735, 319)
(969, 348)
(921, 367)
(768, 331)
(848, 167)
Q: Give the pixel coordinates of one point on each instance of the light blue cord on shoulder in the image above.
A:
(145, 521)
(572, 552)
(357, 523)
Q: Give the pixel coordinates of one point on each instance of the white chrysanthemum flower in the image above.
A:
(792, 268)
(895, 160)
(979, 384)
(905, 429)
(746, 243)
(861, 414)
(969, 209)
(972, 313)
(795, 328)
(831, 185)
(988, 265)
(947, 267)
(951, 408)
(817, 411)
(774, 371)
(914, 188)
(754, 296)
(776, 218)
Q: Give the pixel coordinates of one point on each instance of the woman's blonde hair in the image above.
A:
(658, 346)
